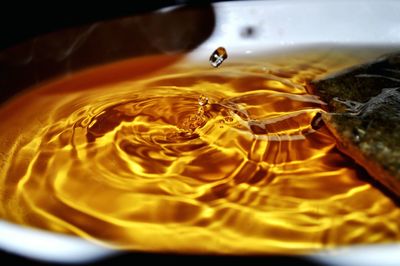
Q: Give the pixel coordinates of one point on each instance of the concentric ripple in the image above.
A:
(187, 160)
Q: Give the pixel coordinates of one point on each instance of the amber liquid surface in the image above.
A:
(189, 159)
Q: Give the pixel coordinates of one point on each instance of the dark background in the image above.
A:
(22, 20)
(163, 259)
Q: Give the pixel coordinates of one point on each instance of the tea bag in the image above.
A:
(364, 115)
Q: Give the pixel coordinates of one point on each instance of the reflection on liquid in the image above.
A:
(187, 160)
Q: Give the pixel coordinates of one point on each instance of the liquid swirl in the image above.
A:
(188, 161)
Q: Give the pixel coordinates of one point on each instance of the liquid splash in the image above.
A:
(188, 160)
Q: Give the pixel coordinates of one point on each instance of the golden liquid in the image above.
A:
(131, 157)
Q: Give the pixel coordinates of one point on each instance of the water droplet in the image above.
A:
(317, 122)
(218, 56)
(203, 100)
(356, 135)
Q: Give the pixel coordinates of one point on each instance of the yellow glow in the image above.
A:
(133, 161)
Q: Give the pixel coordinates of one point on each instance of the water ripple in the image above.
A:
(142, 165)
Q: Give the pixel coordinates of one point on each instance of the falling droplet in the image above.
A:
(218, 56)
(203, 100)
